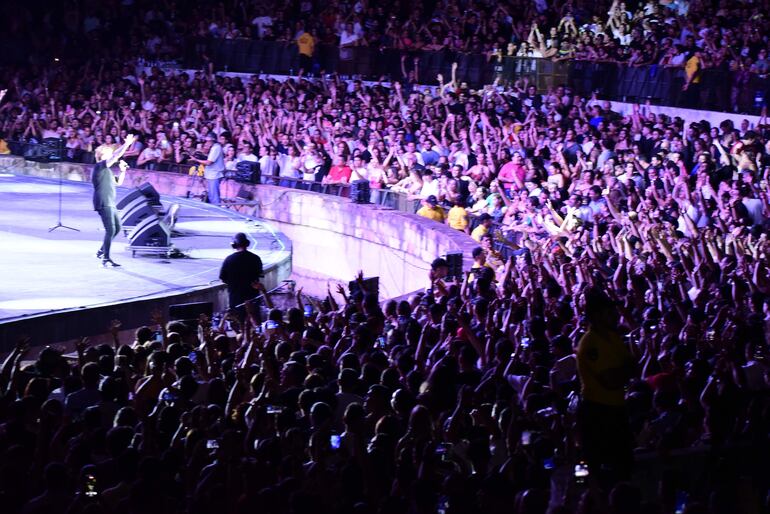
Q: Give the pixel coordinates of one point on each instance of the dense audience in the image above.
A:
(474, 395)
(469, 397)
(727, 35)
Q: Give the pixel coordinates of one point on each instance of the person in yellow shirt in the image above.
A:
(306, 45)
(457, 217)
(432, 210)
(485, 224)
(605, 367)
(693, 68)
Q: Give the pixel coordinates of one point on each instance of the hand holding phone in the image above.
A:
(90, 490)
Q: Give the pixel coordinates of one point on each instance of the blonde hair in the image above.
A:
(103, 151)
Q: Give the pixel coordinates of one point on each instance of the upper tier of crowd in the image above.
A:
(728, 34)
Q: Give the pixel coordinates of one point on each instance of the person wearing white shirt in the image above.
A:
(311, 162)
(261, 23)
(268, 164)
(429, 185)
(348, 36)
(150, 156)
(754, 206)
(247, 154)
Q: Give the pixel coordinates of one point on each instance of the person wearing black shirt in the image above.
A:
(104, 182)
(241, 271)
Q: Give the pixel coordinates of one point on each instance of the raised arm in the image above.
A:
(118, 154)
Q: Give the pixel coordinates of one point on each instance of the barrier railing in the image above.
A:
(53, 150)
(720, 89)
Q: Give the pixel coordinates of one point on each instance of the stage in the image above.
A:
(55, 276)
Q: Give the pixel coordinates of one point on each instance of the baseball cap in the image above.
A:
(432, 200)
(240, 240)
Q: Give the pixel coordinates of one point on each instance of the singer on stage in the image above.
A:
(104, 181)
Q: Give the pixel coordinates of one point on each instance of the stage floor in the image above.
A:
(47, 272)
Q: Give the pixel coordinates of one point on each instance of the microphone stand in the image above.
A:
(59, 224)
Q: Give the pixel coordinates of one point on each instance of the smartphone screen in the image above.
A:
(335, 441)
(581, 472)
(442, 449)
(90, 487)
(681, 502)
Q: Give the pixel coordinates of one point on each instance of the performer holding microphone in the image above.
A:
(104, 181)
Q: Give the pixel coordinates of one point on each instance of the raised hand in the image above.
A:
(22, 345)
(115, 326)
(81, 345)
(156, 316)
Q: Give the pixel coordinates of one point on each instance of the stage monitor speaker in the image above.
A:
(150, 193)
(137, 213)
(455, 262)
(144, 192)
(132, 197)
(359, 191)
(190, 311)
(371, 285)
(246, 172)
(51, 149)
(150, 232)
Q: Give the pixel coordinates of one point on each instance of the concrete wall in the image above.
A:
(688, 115)
(332, 237)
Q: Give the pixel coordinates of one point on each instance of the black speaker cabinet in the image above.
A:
(150, 232)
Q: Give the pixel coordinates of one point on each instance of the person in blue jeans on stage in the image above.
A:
(104, 182)
(214, 168)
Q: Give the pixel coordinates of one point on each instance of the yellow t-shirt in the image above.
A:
(479, 232)
(596, 353)
(432, 213)
(692, 68)
(306, 44)
(4, 150)
(457, 218)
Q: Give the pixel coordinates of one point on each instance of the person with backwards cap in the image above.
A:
(241, 271)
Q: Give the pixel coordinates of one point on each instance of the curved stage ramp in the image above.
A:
(54, 289)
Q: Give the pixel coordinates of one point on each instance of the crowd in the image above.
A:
(526, 394)
(725, 35)
(635, 297)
